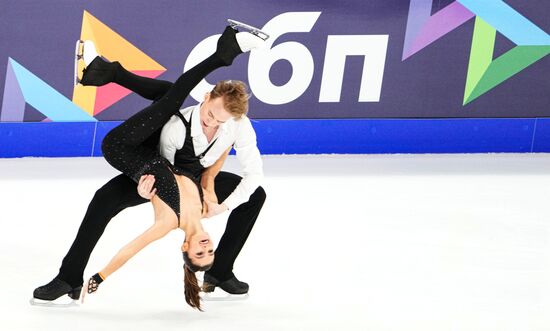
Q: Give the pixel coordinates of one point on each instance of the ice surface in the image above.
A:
(367, 242)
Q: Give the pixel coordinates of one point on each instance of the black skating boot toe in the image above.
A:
(55, 289)
(232, 285)
(99, 72)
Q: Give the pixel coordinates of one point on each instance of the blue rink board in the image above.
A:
(340, 136)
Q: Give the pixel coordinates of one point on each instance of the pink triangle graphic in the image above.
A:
(111, 93)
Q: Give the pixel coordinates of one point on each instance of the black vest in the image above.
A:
(185, 158)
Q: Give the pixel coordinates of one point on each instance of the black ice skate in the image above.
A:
(97, 71)
(232, 42)
(233, 289)
(52, 294)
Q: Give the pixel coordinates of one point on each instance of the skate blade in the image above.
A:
(249, 28)
(223, 296)
(78, 55)
(59, 303)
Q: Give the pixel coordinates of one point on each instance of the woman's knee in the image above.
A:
(108, 145)
(113, 147)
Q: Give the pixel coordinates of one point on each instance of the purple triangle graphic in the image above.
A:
(424, 28)
(13, 104)
(32, 114)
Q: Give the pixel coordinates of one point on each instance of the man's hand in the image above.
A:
(209, 195)
(213, 209)
(145, 187)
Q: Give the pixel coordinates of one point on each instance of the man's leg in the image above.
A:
(240, 223)
(118, 194)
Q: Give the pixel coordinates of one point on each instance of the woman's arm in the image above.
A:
(156, 231)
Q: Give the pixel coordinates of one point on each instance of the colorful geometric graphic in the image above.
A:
(423, 29)
(484, 72)
(114, 47)
(23, 87)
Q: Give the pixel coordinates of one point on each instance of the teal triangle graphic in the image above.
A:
(46, 99)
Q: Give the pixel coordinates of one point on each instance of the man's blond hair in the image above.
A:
(235, 96)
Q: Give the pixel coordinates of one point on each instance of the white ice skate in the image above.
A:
(85, 51)
(250, 38)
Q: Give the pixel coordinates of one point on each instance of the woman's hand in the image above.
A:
(145, 187)
(214, 208)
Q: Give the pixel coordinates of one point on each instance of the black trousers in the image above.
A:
(121, 192)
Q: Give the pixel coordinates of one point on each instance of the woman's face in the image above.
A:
(200, 249)
(213, 113)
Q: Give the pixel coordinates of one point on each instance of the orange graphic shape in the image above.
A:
(113, 47)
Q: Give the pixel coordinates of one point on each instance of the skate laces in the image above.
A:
(56, 282)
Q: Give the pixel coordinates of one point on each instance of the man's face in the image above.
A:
(213, 113)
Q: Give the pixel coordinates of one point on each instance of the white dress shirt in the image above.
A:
(238, 133)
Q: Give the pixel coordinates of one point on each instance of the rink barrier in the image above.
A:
(335, 136)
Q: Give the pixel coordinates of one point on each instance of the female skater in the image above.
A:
(178, 202)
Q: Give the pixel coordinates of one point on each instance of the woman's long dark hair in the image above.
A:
(192, 288)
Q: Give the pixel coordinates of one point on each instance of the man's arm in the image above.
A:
(208, 176)
(207, 183)
(172, 138)
(250, 159)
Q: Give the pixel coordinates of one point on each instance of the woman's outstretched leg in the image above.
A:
(100, 72)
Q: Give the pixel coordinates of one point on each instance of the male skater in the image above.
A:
(211, 139)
